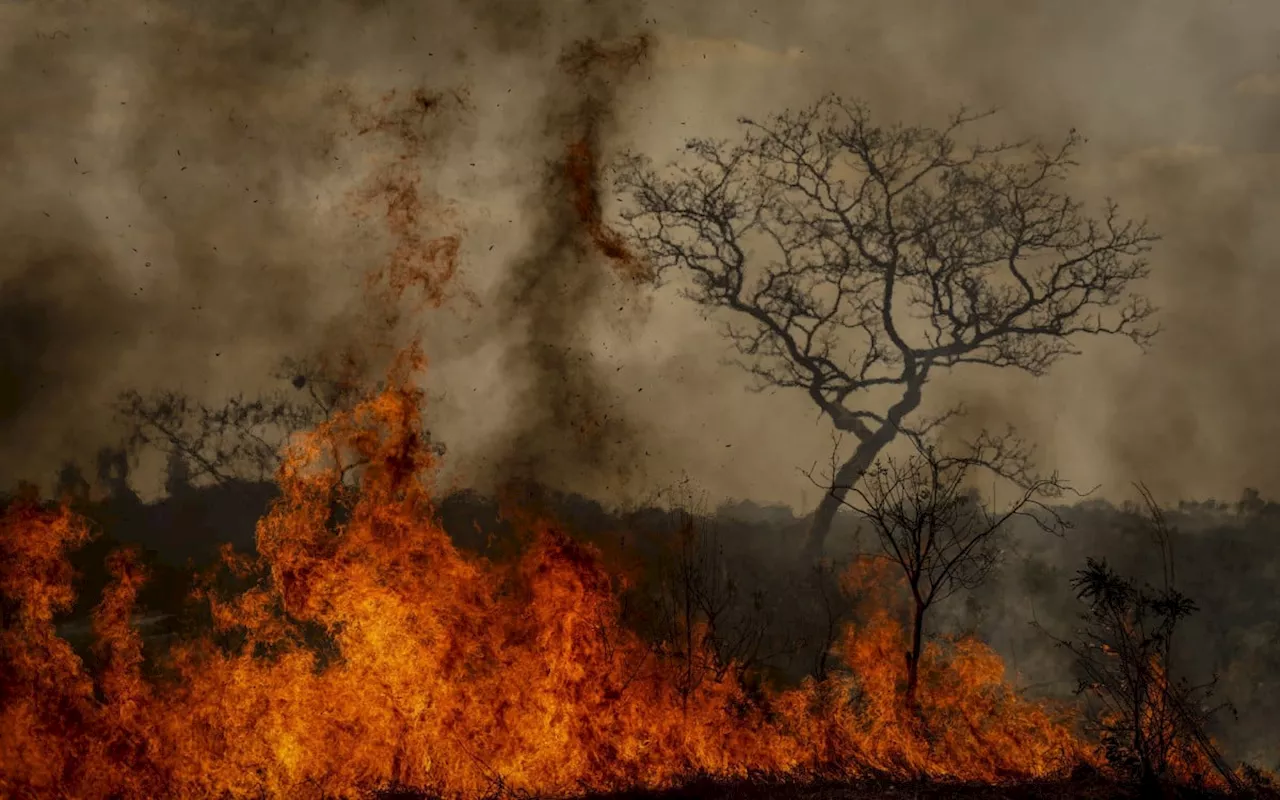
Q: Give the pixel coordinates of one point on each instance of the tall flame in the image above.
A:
(368, 652)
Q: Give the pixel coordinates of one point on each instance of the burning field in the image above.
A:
(363, 651)
(363, 645)
(366, 652)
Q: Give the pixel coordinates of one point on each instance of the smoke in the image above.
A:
(46, 280)
(566, 425)
(1177, 102)
(151, 212)
(179, 184)
(182, 180)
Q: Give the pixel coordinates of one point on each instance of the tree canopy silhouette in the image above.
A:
(856, 261)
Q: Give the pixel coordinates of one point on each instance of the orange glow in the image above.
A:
(441, 671)
(592, 65)
(580, 169)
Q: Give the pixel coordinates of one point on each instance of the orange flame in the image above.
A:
(372, 653)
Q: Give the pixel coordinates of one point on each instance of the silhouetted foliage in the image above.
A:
(1150, 719)
(712, 605)
(239, 439)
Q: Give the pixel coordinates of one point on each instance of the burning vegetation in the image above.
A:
(361, 650)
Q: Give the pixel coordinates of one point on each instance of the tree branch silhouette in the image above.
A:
(856, 261)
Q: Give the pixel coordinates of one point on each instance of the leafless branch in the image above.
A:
(930, 521)
(853, 257)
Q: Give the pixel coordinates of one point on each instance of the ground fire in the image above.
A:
(361, 650)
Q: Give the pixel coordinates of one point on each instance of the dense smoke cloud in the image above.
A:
(156, 162)
(178, 211)
(566, 419)
(1177, 100)
(190, 197)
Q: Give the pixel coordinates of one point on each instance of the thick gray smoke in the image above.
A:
(568, 418)
(157, 231)
(178, 193)
(193, 195)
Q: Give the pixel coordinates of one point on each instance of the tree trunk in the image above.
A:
(869, 446)
(1149, 786)
(848, 474)
(913, 655)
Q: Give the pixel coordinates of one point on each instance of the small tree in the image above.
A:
(706, 620)
(1151, 722)
(705, 614)
(930, 522)
(858, 261)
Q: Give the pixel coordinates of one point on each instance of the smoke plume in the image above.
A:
(180, 179)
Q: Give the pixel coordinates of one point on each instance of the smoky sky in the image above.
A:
(177, 213)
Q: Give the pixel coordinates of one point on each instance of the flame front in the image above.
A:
(368, 652)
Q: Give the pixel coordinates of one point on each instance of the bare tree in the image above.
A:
(707, 616)
(858, 261)
(705, 620)
(931, 523)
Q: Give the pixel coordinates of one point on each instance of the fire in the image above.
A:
(588, 64)
(366, 651)
(581, 171)
(968, 723)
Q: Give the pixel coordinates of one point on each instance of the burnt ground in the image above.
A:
(1091, 787)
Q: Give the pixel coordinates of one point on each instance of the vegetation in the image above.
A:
(718, 603)
(1152, 722)
(931, 524)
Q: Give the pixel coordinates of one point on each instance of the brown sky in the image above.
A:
(175, 173)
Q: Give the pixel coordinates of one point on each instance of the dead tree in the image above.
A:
(931, 523)
(856, 261)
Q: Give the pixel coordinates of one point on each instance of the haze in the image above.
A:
(176, 212)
